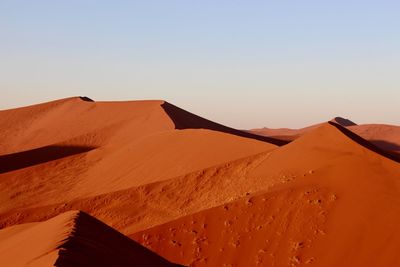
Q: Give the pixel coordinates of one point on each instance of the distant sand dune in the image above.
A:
(386, 137)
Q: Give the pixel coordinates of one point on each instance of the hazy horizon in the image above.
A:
(243, 64)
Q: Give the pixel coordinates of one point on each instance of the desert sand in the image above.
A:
(384, 136)
(72, 239)
(145, 183)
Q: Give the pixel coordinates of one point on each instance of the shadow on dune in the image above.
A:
(19, 160)
(93, 243)
(186, 120)
(344, 122)
(86, 99)
(367, 144)
(386, 145)
(286, 138)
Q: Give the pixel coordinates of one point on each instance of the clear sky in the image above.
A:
(242, 63)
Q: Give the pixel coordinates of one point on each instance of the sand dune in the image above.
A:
(253, 231)
(322, 203)
(91, 123)
(381, 135)
(97, 123)
(292, 134)
(156, 158)
(107, 153)
(72, 239)
(192, 191)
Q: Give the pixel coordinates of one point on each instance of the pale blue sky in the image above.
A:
(242, 63)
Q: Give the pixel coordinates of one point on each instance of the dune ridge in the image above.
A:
(73, 239)
(385, 137)
(186, 120)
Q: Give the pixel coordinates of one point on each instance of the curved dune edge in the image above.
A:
(72, 239)
(386, 137)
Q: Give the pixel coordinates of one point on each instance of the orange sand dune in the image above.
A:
(137, 208)
(199, 193)
(93, 123)
(381, 135)
(72, 239)
(341, 175)
(101, 152)
(294, 133)
(327, 201)
(175, 153)
(154, 158)
(288, 134)
(253, 231)
(384, 136)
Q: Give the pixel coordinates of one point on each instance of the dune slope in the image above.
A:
(334, 194)
(79, 149)
(386, 137)
(193, 191)
(72, 239)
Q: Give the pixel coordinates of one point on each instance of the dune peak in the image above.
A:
(87, 99)
(183, 119)
(343, 122)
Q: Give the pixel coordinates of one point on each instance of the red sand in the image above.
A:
(194, 192)
(137, 146)
(72, 239)
(383, 136)
(330, 194)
